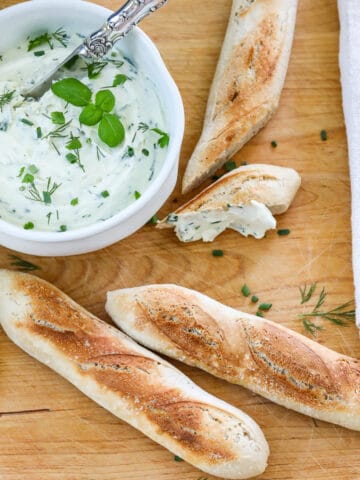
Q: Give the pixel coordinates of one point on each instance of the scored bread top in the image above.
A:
(131, 382)
(271, 185)
(269, 359)
(247, 84)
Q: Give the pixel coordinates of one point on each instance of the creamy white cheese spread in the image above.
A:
(252, 219)
(48, 180)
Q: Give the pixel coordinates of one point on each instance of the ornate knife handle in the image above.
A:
(117, 26)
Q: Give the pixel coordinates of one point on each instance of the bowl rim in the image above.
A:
(178, 118)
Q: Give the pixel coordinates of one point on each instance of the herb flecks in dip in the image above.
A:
(66, 164)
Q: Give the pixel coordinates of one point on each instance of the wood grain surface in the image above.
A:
(49, 430)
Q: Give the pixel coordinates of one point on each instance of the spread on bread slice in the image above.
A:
(244, 200)
(247, 85)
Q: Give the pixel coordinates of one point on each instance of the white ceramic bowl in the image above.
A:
(24, 19)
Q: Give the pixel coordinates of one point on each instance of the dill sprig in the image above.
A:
(6, 98)
(58, 132)
(22, 265)
(59, 36)
(46, 194)
(338, 315)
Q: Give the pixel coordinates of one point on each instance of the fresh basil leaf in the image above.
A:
(58, 118)
(111, 130)
(91, 115)
(105, 100)
(120, 79)
(72, 91)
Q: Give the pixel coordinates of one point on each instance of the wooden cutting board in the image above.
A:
(50, 431)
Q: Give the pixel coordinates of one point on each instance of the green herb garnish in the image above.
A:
(91, 115)
(105, 100)
(59, 36)
(283, 232)
(254, 299)
(259, 314)
(74, 145)
(120, 79)
(245, 290)
(274, 144)
(58, 118)
(231, 165)
(145, 152)
(265, 307)
(95, 69)
(39, 53)
(46, 196)
(58, 132)
(164, 139)
(178, 459)
(217, 253)
(153, 220)
(111, 130)
(6, 98)
(26, 122)
(74, 201)
(38, 132)
(29, 226)
(105, 194)
(63, 228)
(339, 315)
(72, 91)
(22, 265)
(323, 135)
(137, 195)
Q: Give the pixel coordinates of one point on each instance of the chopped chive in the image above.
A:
(105, 194)
(283, 232)
(323, 135)
(22, 170)
(38, 132)
(274, 144)
(254, 299)
(245, 290)
(137, 195)
(33, 169)
(39, 53)
(74, 201)
(153, 220)
(63, 228)
(130, 152)
(218, 253)
(229, 166)
(28, 178)
(26, 121)
(29, 226)
(178, 459)
(145, 152)
(265, 307)
(259, 314)
(22, 265)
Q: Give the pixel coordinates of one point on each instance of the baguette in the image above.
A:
(129, 381)
(244, 200)
(247, 85)
(267, 358)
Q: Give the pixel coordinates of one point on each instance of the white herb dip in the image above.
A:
(39, 188)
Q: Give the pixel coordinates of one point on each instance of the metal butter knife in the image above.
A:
(117, 26)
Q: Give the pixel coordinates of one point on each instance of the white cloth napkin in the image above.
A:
(349, 11)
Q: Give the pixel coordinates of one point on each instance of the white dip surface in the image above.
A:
(105, 180)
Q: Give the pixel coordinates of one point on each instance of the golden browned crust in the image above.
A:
(247, 85)
(271, 360)
(270, 185)
(105, 364)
